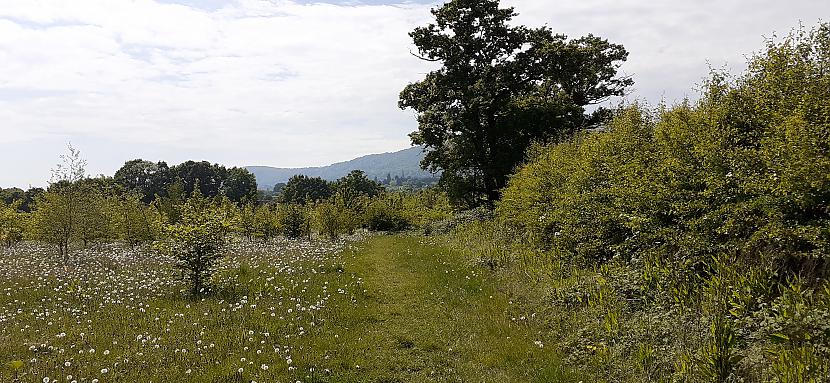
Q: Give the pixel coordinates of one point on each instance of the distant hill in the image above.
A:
(404, 163)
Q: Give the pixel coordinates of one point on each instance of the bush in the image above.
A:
(739, 172)
(712, 215)
(267, 223)
(335, 217)
(460, 220)
(295, 220)
(385, 213)
(196, 243)
(135, 222)
(12, 224)
(248, 220)
(425, 208)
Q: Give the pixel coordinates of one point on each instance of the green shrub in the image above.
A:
(12, 224)
(267, 223)
(248, 220)
(134, 222)
(196, 243)
(742, 171)
(707, 223)
(426, 208)
(385, 213)
(294, 219)
(335, 216)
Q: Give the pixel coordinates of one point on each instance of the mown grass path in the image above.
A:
(427, 315)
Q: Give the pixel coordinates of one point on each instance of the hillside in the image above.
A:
(403, 163)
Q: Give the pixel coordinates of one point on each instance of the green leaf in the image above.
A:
(779, 337)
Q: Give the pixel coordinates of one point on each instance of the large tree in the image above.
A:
(356, 183)
(500, 88)
(302, 189)
(209, 177)
(146, 178)
(240, 185)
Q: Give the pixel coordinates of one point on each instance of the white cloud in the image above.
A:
(671, 44)
(286, 83)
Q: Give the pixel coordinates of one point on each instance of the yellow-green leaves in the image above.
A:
(196, 242)
(15, 365)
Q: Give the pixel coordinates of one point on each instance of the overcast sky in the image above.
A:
(295, 83)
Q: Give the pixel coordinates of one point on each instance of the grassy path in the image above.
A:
(425, 315)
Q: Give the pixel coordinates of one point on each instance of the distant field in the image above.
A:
(385, 309)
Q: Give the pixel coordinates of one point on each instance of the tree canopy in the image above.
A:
(356, 183)
(24, 199)
(146, 178)
(500, 88)
(240, 185)
(151, 180)
(302, 189)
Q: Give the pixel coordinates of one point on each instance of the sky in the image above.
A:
(294, 83)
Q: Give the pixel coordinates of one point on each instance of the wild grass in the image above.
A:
(120, 314)
(388, 309)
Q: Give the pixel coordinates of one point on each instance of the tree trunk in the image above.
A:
(63, 248)
(197, 285)
(491, 190)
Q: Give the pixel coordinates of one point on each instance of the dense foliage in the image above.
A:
(145, 178)
(386, 214)
(152, 180)
(12, 224)
(25, 199)
(500, 88)
(302, 190)
(689, 242)
(196, 242)
(357, 184)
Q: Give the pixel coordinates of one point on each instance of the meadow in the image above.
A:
(118, 314)
(377, 308)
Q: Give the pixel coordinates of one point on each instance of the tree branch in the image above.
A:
(424, 58)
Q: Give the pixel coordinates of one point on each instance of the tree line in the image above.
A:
(168, 208)
(152, 180)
